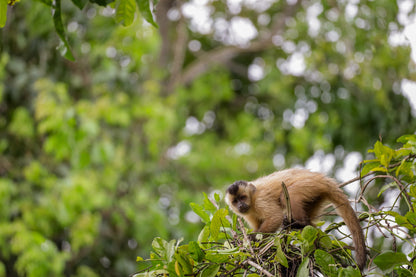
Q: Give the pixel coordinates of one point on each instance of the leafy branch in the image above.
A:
(224, 247)
(125, 11)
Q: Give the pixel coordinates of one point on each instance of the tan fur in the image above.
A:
(265, 204)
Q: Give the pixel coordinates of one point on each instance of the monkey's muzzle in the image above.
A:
(243, 208)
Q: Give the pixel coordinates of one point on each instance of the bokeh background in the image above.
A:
(100, 155)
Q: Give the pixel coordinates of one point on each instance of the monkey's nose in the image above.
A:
(243, 208)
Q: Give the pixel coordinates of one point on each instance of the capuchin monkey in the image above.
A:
(262, 203)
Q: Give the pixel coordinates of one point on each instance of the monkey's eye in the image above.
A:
(243, 197)
(235, 201)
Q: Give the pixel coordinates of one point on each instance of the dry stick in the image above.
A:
(288, 207)
(262, 270)
(266, 247)
(355, 179)
(245, 236)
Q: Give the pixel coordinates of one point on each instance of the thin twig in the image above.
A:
(243, 230)
(262, 270)
(358, 178)
(410, 156)
(266, 247)
(399, 184)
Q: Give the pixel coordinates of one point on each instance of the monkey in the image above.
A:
(262, 203)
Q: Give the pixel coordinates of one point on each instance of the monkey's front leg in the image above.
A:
(271, 224)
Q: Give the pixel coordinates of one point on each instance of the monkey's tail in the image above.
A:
(344, 209)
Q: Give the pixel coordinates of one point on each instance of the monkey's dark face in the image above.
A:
(239, 196)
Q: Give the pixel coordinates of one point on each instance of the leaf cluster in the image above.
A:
(393, 170)
(125, 11)
(223, 248)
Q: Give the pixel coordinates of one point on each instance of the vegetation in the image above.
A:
(100, 155)
(224, 249)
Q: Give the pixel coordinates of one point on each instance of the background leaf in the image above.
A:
(125, 10)
(389, 259)
(3, 13)
(144, 8)
(59, 27)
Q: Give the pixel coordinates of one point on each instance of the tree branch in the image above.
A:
(222, 55)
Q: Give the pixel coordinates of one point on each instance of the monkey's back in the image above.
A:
(295, 177)
(306, 188)
(307, 193)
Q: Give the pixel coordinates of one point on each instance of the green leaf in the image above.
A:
(216, 256)
(309, 234)
(144, 8)
(204, 234)
(280, 255)
(412, 191)
(403, 272)
(59, 27)
(386, 187)
(125, 10)
(384, 153)
(325, 262)
(208, 205)
(303, 270)
(217, 197)
(349, 272)
(379, 168)
(411, 217)
(324, 240)
(199, 210)
(369, 167)
(209, 271)
(163, 248)
(3, 13)
(184, 262)
(196, 252)
(405, 168)
(389, 259)
(402, 152)
(143, 265)
(218, 220)
(406, 138)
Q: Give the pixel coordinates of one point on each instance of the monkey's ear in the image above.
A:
(252, 187)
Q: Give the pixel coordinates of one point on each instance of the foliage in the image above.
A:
(283, 254)
(101, 155)
(395, 169)
(224, 249)
(125, 12)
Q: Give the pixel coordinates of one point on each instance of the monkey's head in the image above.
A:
(239, 196)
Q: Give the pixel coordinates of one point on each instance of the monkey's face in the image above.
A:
(239, 196)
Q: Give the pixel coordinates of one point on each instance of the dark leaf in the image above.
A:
(144, 8)
(59, 28)
(125, 11)
(80, 3)
(102, 2)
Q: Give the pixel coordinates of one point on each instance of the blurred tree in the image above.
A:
(100, 155)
